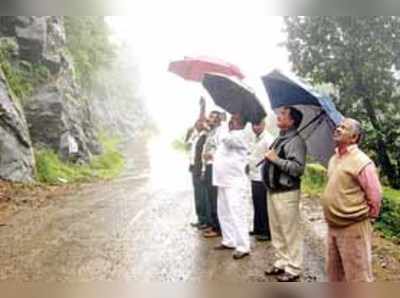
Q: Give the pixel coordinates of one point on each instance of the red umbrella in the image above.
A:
(193, 69)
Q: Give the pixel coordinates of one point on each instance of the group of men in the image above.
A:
(224, 162)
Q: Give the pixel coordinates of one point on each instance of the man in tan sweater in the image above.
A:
(351, 201)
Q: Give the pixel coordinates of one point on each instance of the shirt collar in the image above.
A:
(344, 149)
(287, 133)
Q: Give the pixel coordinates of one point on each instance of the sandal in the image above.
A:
(274, 271)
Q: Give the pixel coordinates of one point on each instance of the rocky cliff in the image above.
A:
(42, 103)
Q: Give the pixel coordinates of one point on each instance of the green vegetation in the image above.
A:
(180, 145)
(359, 56)
(89, 45)
(22, 76)
(314, 180)
(389, 222)
(51, 170)
(25, 77)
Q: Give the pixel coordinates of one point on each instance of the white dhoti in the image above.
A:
(232, 217)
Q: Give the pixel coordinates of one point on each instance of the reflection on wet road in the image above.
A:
(133, 228)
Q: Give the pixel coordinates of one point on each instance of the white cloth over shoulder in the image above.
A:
(230, 159)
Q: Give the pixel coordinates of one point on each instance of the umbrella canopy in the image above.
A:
(234, 97)
(320, 116)
(193, 69)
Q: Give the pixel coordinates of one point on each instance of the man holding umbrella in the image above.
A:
(285, 164)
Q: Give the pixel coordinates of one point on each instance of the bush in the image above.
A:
(314, 180)
(22, 76)
(51, 170)
(180, 145)
(389, 221)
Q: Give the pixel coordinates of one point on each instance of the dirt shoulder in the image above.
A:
(15, 197)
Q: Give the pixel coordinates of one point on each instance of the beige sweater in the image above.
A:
(344, 201)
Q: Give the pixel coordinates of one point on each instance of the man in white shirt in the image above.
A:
(262, 141)
(229, 176)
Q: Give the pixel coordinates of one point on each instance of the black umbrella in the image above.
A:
(234, 97)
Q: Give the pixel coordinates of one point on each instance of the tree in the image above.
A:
(88, 41)
(360, 56)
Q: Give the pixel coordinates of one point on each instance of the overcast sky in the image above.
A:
(158, 32)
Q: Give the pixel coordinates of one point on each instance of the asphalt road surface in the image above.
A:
(135, 228)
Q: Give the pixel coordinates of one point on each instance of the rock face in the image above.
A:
(16, 153)
(55, 112)
(52, 113)
(40, 39)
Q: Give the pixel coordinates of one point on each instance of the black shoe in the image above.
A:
(252, 233)
(195, 225)
(202, 227)
(274, 271)
(263, 238)
(288, 277)
(237, 255)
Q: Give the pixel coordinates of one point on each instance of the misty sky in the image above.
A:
(240, 32)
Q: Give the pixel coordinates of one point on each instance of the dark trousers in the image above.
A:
(212, 192)
(201, 200)
(261, 221)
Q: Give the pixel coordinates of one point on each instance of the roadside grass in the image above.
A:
(180, 145)
(314, 182)
(52, 170)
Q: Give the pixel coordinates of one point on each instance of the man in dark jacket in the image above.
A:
(285, 163)
(199, 186)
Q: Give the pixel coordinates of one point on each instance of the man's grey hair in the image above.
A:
(357, 129)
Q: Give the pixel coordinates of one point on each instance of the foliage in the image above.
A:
(314, 179)
(360, 56)
(51, 170)
(89, 44)
(6, 48)
(180, 145)
(22, 76)
(389, 221)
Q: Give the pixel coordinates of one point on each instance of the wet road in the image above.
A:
(134, 228)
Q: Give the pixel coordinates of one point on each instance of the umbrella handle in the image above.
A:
(260, 163)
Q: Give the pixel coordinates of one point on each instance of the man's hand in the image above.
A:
(271, 155)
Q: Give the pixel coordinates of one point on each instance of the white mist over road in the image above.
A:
(239, 32)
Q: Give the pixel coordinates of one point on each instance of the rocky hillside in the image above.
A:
(44, 101)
